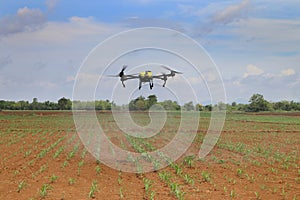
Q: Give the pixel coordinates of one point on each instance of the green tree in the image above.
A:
(170, 105)
(64, 104)
(138, 104)
(35, 104)
(189, 106)
(152, 100)
(258, 103)
(208, 107)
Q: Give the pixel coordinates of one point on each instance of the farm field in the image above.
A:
(256, 157)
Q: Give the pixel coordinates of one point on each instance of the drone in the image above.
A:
(146, 76)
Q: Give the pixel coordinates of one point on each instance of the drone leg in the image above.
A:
(123, 84)
(140, 85)
(164, 83)
(151, 85)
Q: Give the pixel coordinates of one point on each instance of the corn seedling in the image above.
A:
(80, 164)
(206, 176)
(189, 160)
(44, 190)
(147, 185)
(93, 189)
(53, 178)
(239, 172)
(121, 193)
(257, 195)
(188, 179)
(21, 186)
(98, 169)
(71, 181)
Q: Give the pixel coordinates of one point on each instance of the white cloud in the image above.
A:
(25, 19)
(273, 35)
(51, 4)
(288, 72)
(232, 13)
(252, 70)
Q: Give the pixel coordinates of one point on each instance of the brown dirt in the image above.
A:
(260, 177)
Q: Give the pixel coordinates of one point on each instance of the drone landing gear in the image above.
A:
(123, 84)
(140, 85)
(151, 84)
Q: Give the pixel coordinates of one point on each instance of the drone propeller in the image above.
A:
(112, 75)
(122, 71)
(171, 70)
(120, 74)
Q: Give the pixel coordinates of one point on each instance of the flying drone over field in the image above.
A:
(146, 76)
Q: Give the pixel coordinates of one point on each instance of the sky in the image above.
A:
(254, 44)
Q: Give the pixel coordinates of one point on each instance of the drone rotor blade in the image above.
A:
(167, 68)
(176, 72)
(122, 71)
(171, 70)
(112, 75)
(124, 67)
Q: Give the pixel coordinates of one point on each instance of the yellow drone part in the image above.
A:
(142, 74)
(147, 73)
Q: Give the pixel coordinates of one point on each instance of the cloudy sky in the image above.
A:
(254, 43)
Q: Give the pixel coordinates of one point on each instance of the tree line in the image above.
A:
(256, 103)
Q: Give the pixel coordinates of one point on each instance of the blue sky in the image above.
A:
(254, 43)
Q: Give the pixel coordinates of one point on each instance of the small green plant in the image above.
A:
(152, 195)
(232, 194)
(53, 178)
(176, 190)
(189, 160)
(165, 176)
(80, 164)
(98, 169)
(27, 153)
(93, 189)
(120, 178)
(206, 176)
(178, 170)
(65, 164)
(239, 172)
(21, 185)
(121, 193)
(188, 179)
(71, 181)
(44, 190)
(16, 172)
(257, 195)
(250, 178)
(147, 185)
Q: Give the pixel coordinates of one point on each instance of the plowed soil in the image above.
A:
(256, 157)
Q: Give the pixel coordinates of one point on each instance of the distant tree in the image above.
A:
(208, 107)
(295, 105)
(152, 100)
(23, 105)
(258, 103)
(221, 106)
(189, 106)
(170, 105)
(34, 105)
(233, 104)
(64, 104)
(282, 105)
(138, 104)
